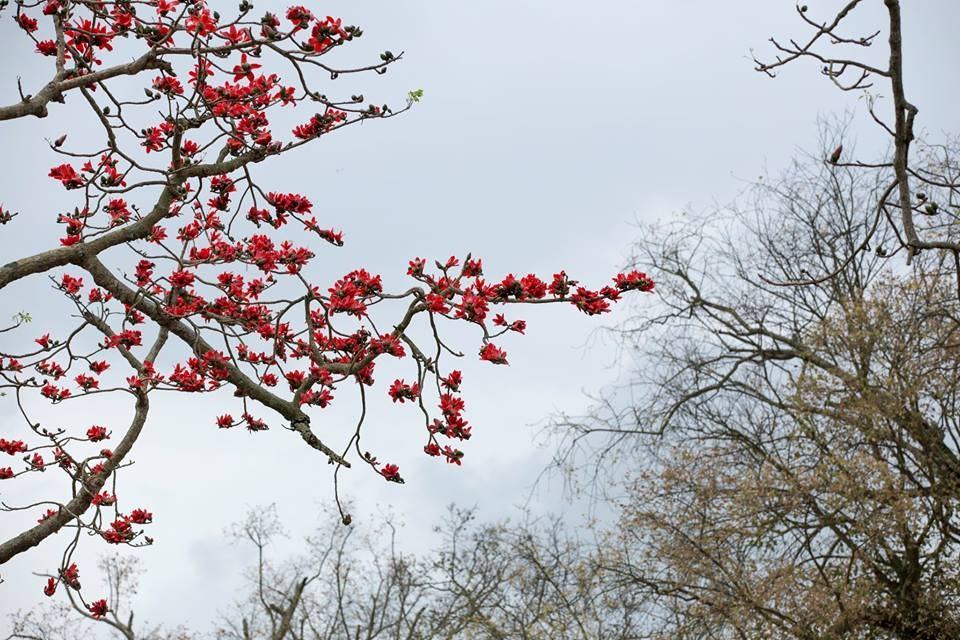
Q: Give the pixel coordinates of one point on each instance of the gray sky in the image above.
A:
(547, 129)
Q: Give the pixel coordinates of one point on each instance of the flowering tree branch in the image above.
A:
(175, 242)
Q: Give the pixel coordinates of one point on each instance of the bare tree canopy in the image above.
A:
(486, 581)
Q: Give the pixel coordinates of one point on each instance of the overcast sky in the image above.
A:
(546, 131)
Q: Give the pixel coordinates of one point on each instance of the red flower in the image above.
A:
(473, 308)
(473, 268)
(51, 587)
(254, 424)
(319, 124)
(166, 6)
(27, 23)
(6, 473)
(437, 303)
(189, 148)
(269, 379)
(157, 234)
(533, 287)
(66, 174)
(234, 35)
(122, 19)
(560, 286)
(126, 339)
(144, 272)
(85, 36)
(299, 16)
(141, 516)
(46, 516)
(286, 95)
(120, 531)
(99, 366)
(452, 381)
(416, 267)
(510, 287)
(96, 434)
(201, 23)
(103, 498)
(71, 576)
(517, 325)
(87, 382)
(244, 69)
(635, 280)
(388, 344)
(320, 398)
(451, 405)
(181, 279)
(452, 455)
(590, 302)
(295, 378)
(491, 353)
(47, 47)
(200, 72)
(321, 37)
(98, 608)
(392, 473)
(154, 139)
(292, 202)
(54, 393)
(168, 85)
(401, 391)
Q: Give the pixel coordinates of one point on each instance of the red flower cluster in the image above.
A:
(126, 339)
(121, 529)
(320, 124)
(88, 35)
(12, 447)
(104, 498)
(350, 293)
(54, 393)
(634, 281)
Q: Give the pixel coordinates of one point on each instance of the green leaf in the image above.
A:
(414, 96)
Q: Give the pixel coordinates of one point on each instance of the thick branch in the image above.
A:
(53, 91)
(299, 420)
